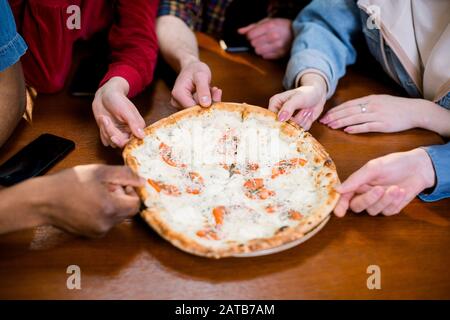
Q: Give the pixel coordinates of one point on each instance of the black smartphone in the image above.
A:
(34, 159)
(235, 44)
(88, 75)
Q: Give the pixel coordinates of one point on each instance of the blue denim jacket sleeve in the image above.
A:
(440, 156)
(12, 46)
(324, 31)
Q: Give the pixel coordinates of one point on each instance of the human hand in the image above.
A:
(116, 116)
(309, 99)
(387, 184)
(89, 200)
(376, 113)
(271, 37)
(192, 87)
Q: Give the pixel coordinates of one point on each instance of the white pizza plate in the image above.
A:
(284, 246)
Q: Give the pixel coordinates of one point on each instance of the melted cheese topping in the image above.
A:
(221, 180)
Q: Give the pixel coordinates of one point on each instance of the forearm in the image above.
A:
(432, 117)
(177, 42)
(19, 212)
(12, 100)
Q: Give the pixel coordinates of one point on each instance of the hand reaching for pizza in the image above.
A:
(89, 200)
(304, 104)
(387, 184)
(116, 116)
(192, 87)
(384, 113)
(271, 37)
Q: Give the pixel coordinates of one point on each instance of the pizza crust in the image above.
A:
(321, 158)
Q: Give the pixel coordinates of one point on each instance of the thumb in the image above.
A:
(277, 101)
(294, 102)
(121, 175)
(359, 178)
(125, 205)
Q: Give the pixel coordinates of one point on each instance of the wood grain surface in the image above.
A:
(133, 262)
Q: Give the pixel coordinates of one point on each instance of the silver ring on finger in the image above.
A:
(363, 107)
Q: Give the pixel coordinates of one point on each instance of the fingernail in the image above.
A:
(283, 116)
(205, 100)
(140, 132)
(105, 121)
(348, 130)
(324, 120)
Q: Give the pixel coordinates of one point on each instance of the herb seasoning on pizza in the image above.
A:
(230, 180)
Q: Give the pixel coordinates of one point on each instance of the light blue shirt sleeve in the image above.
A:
(440, 156)
(12, 45)
(324, 31)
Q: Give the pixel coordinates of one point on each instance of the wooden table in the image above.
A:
(132, 261)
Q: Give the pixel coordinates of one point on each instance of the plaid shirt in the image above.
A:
(208, 16)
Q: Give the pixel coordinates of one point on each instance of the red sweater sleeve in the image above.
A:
(133, 43)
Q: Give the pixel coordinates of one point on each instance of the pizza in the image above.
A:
(231, 179)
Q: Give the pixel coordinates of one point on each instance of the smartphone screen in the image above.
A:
(34, 159)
